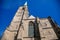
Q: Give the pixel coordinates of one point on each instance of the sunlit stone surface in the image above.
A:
(23, 24)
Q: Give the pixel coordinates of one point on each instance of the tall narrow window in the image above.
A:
(31, 29)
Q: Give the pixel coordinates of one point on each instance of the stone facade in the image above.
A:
(40, 28)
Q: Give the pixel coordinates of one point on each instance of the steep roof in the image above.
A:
(31, 16)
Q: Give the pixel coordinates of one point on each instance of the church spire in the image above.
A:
(25, 7)
(25, 3)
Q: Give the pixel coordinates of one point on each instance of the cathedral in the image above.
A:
(25, 27)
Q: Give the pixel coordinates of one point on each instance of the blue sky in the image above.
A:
(40, 8)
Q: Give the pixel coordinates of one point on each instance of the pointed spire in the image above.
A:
(25, 3)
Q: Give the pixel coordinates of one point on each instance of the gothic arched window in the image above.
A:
(31, 29)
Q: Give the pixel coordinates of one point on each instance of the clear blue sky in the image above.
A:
(40, 8)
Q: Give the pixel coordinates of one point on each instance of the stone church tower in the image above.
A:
(25, 27)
